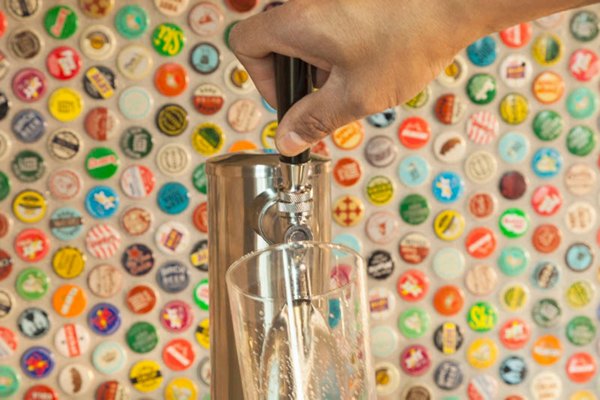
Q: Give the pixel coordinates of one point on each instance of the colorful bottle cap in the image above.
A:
(64, 144)
(23, 9)
(208, 99)
(93, 9)
(208, 139)
(40, 392)
(68, 262)
(29, 206)
(141, 299)
(75, 379)
(105, 281)
(137, 181)
(145, 376)
(514, 108)
(579, 294)
(32, 245)
(237, 79)
(546, 238)
(28, 166)
(5, 103)
(447, 187)
(201, 295)
(5, 186)
(514, 297)
(108, 358)
(100, 82)
(548, 125)
(347, 171)
(382, 119)
(580, 217)
(414, 209)
(173, 198)
(513, 370)
(205, 58)
(481, 88)
(348, 210)
(449, 225)
(516, 70)
(448, 263)
(382, 227)
(5, 225)
(172, 238)
(448, 338)
(135, 103)
(387, 378)
(582, 103)
(199, 179)
(449, 109)
(581, 331)
(32, 284)
(581, 367)
(101, 163)
(547, 49)
(173, 277)
(379, 190)
(102, 241)
(584, 64)
(135, 62)
(580, 179)
(199, 253)
(514, 334)
(168, 39)
(33, 323)
(482, 127)
(448, 375)
(513, 147)
(136, 221)
(37, 362)
(581, 140)
(136, 142)
(205, 18)
(349, 136)
(171, 79)
(415, 360)
(512, 185)
(65, 104)
(413, 171)
(28, 125)
(412, 285)
(480, 242)
(64, 184)
(104, 319)
(414, 322)
(102, 202)
(482, 205)
(448, 300)
(66, 223)
(480, 167)
(244, 115)
(131, 21)
(482, 353)
(546, 385)
(545, 275)
(584, 25)
(546, 313)
(176, 316)
(579, 257)
(178, 354)
(97, 42)
(420, 99)
(517, 36)
(546, 162)
(61, 22)
(548, 87)
(142, 337)
(29, 85)
(69, 300)
(482, 52)
(481, 279)
(414, 132)
(380, 264)
(482, 317)
(4, 65)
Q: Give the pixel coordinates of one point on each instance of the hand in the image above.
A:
(370, 54)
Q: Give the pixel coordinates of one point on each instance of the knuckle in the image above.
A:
(314, 127)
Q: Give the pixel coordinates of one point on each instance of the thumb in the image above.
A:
(312, 118)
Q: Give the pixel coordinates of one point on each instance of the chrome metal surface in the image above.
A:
(235, 181)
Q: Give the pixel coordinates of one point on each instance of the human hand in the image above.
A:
(370, 55)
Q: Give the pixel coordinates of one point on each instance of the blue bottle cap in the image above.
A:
(102, 202)
(131, 21)
(348, 240)
(267, 106)
(483, 52)
(513, 370)
(66, 223)
(173, 276)
(104, 319)
(447, 187)
(37, 362)
(28, 125)
(382, 119)
(413, 171)
(513, 260)
(579, 257)
(205, 58)
(547, 162)
(513, 148)
(173, 198)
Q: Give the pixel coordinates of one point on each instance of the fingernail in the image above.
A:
(291, 144)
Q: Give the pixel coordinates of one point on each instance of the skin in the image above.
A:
(370, 54)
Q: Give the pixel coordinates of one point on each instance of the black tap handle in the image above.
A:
(293, 82)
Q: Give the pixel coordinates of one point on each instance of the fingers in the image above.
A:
(262, 71)
(313, 118)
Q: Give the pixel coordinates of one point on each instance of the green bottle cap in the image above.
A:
(482, 317)
(513, 223)
(414, 323)
(582, 103)
(581, 140)
(9, 381)
(101, 163)
(482, 88)
(136, 142)
(61, 22)
(414, 209)
(199, 178)
(168, 39)
(131, 21)
(228, 32)
(4, 186)
(513, 260)
(28, 166)
(581, 331)
(201, 294)
(142, 337)
(32, 284)
(548, 125)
